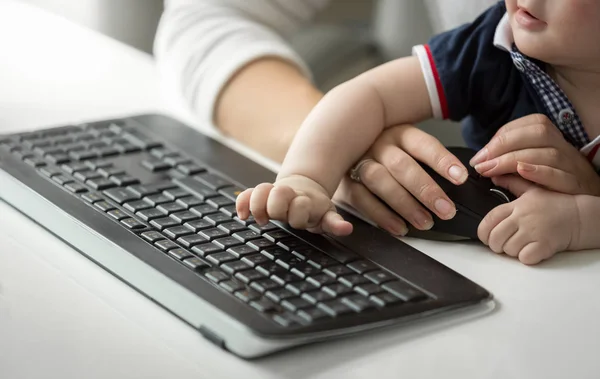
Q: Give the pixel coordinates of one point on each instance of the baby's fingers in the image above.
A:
(535, 252)
(242, 203)
(334, 223)
(299, 212)
(258, 202)
(279, 202)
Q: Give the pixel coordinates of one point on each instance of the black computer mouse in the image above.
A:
(473, 199)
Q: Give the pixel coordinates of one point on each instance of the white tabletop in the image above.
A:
(61, 316)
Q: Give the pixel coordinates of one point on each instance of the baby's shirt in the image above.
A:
(475, 74)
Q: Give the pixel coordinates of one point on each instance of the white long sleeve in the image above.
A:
(200, 44)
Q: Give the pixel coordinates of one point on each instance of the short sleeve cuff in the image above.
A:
(435, 88)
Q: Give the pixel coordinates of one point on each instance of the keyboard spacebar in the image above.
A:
(195, 188)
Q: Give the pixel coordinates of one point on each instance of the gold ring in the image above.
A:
(355, 171)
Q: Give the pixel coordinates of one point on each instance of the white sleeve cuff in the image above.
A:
(437, 97)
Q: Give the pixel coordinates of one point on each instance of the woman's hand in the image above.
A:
(392, 176)
(536, 150)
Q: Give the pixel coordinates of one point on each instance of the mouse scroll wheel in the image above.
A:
(500, 194)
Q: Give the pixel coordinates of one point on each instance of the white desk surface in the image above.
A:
(63, 317)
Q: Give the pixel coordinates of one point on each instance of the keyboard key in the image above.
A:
(190, 168)
(50, 171)
(270, 268)
(380, 277)
(248, 276)
(62, 179)
(107, 152)
(132, 223)
(263, 305)
(334, 307)
(212, 181)
(338, 289)
(191, 240)
(212, 233)
(58, 158)
(197, 225)
(101, 184)
(250, 220)
(367, 289)
(118, 214)
(264, 285)
(163, 223)
(227, 242)
(95, 165)
(150, 214)
(176, 193)
(85, 175)
(229, 210)
(82, 155)
(337, 271)
(260, 243)
(169, 208)
(232, 227)
(363, 266)
(274, 253)
(183, 217)
(277, 235)
(136, 206)
(196, 188)
(303, 270)
(155, 165)
(278, 294)
(104, 206)
(205, 249)
(124, 180)
(220, 201)
(247, 295)
(255, 259)
(358, 303)
(139, 190)
(284, 277)
(295, 304)
(176, 160)
(353, 280)
(158, 199)
(246, 235)
(300, 287)
(120, 195)
(231, 192)
(221, 257)
(162, 153)
(233, 267)
(189, 201)
(217, 218)
(268, 227)
(194, 263)
(293, 244)
(312, 314)
(76, 187)
(232, 285)
(384, 299)
(152, 236)
(317, 296)
(286, 320)
(216, 275)
(204, 210)
(289, 261)
(241, 251)
(92, 197)
(320, 260)
(35, 162)
(177, 231)
(404, 291)
(321, 279)
(166, 245)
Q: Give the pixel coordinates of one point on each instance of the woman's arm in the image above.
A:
(229, 61)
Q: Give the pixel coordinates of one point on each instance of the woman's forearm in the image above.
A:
(264, 104)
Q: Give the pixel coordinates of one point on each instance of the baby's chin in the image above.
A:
(532, 45)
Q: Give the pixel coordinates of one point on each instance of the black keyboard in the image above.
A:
(184, 209)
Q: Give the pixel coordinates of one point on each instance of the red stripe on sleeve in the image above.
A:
(438, 84)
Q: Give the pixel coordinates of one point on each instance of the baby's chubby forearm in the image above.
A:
(338, 131)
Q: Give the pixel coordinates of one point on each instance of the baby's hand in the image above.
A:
(539, 224)
(297, 200)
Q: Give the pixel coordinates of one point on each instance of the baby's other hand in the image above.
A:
(297, 200)
(536, 226)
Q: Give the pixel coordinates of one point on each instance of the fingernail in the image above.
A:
(486, 166)
(479, 157)
(423, 220)
(398, 228)
(458, 174)
(522, 166)
(443, 207)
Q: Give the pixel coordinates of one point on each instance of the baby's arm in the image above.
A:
(589, 233)
(338, 131)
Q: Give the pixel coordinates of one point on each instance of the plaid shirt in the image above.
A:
(557, 104)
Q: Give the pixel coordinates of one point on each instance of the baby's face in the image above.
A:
(559, 32)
